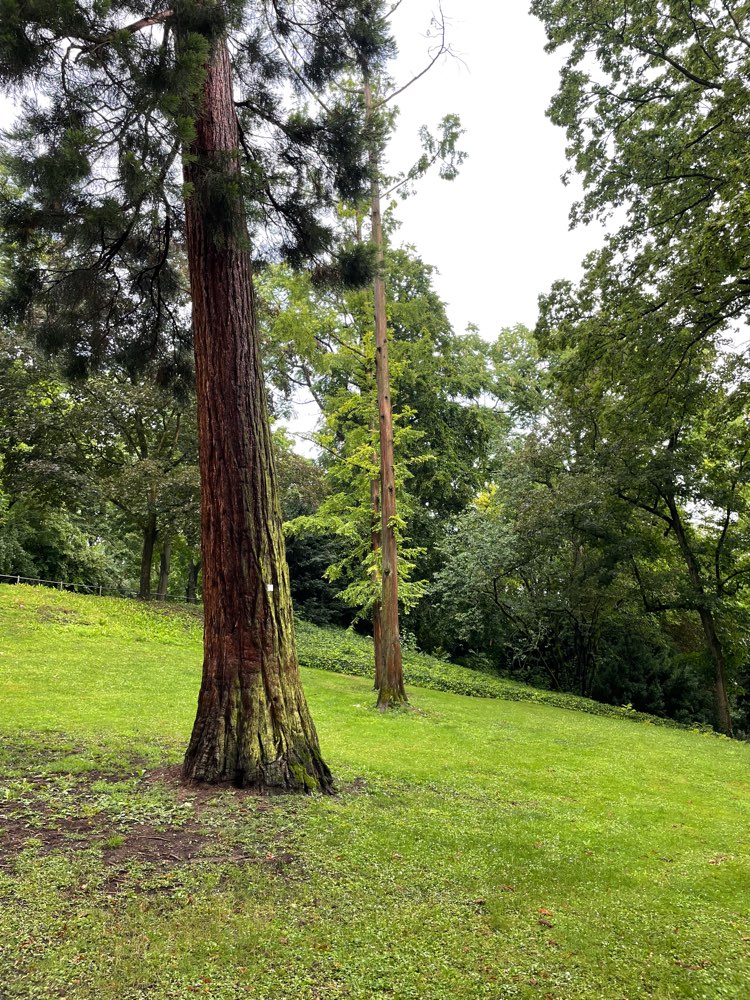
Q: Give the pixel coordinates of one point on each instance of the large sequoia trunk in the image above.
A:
(391, 677)
(253, 726)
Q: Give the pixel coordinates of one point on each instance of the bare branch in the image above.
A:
(392, 11)
(132, 29)
(442, 49)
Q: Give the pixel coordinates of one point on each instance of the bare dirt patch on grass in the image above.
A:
(203, 795)
(150, 817)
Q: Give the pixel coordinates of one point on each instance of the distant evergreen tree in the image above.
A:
(148, 136)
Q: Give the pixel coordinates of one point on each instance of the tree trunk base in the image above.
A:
(297, 769)
(294, 773)
(391, 698)
(249, 740)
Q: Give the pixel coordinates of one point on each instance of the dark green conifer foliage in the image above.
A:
(98, 148)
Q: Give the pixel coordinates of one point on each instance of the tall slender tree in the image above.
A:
(389, 676)
(389, 671)
(130, 92)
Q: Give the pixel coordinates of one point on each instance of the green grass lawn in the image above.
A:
(477, 847)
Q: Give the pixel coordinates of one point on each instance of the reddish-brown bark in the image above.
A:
(391, 690)
(253, 726)
(375, 537)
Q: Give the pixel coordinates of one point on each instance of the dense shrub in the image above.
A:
(344, 652)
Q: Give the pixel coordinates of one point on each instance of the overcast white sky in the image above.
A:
(499, 233)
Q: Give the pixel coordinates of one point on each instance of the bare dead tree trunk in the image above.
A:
(147, 557)
(165, 560)
(253, 726)
(391, 688)
(375, 536)
(713, 643)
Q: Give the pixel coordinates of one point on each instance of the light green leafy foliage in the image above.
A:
(323, 338)
(476, 848)
(326, 338)
(649, 97)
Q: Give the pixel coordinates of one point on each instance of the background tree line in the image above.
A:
(551, 528)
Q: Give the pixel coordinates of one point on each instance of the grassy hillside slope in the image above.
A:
(477, 848)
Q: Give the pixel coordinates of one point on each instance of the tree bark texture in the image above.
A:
(253, 727)
(147, 557)
(375, 536)
(165, 561)
(713, 643)
(391, 688)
